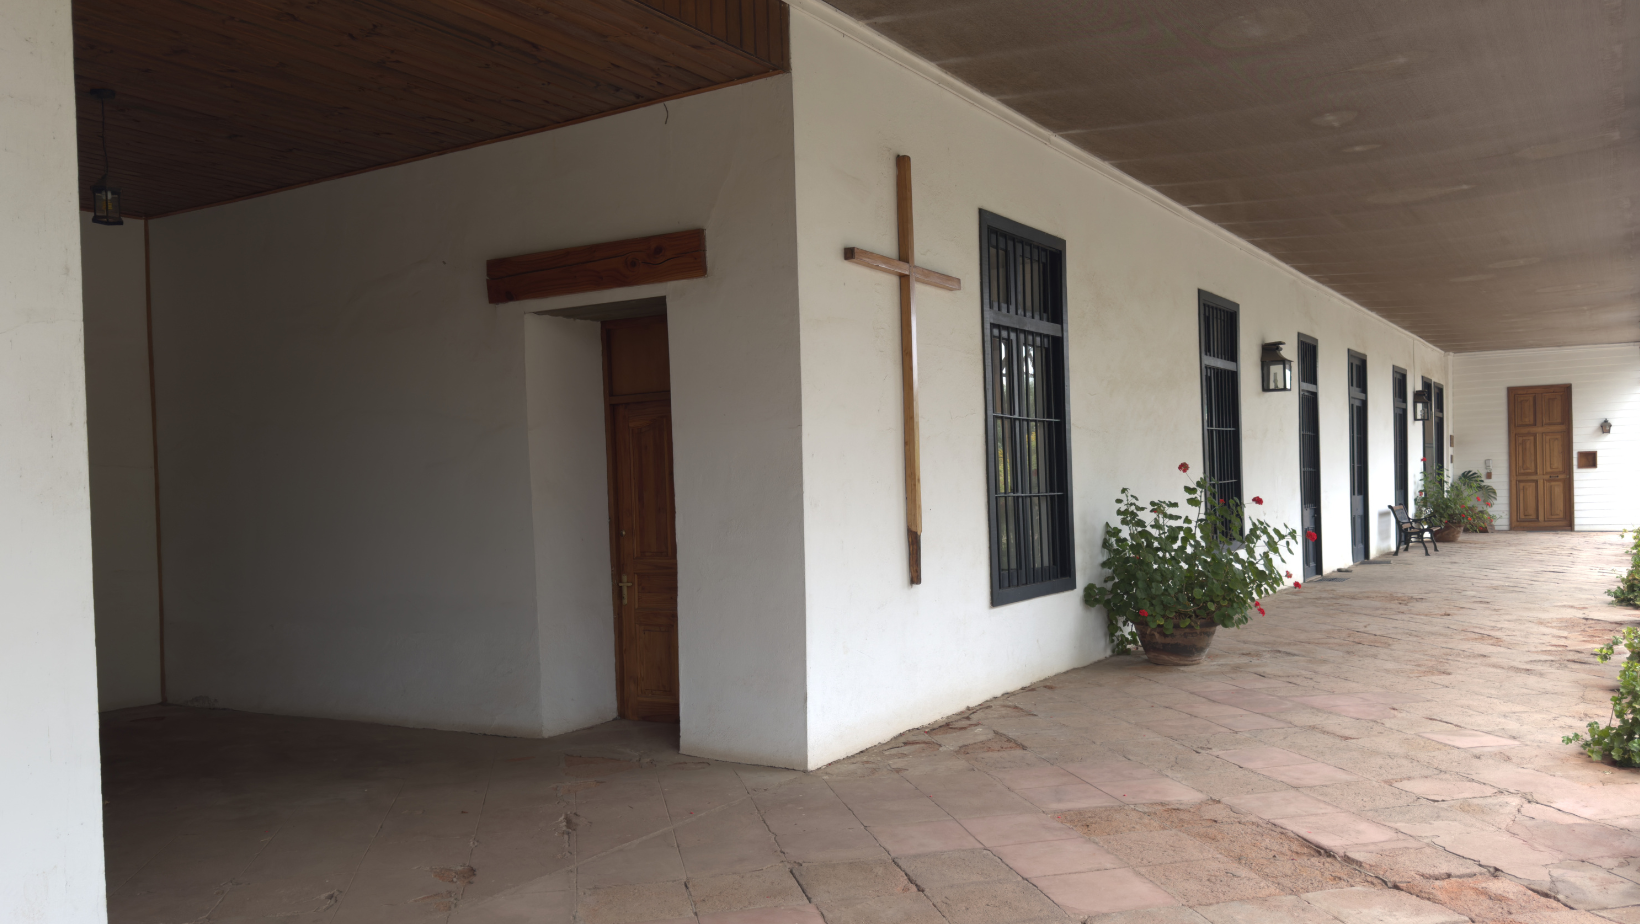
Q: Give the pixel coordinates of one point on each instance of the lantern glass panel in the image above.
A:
(105, 206)
(1278, 375)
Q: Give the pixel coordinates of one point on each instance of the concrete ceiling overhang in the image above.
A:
(1465, 168)
(222, 99)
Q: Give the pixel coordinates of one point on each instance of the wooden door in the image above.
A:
(643, 539)
(1540, 457)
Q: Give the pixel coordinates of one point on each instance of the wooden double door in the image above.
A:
(1540, 457)
(643, 537)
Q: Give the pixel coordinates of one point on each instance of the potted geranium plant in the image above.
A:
(1174, 576)
(1452, 507)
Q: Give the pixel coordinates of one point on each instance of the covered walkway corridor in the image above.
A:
(1383, 746)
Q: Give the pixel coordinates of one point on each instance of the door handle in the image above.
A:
(623, 584)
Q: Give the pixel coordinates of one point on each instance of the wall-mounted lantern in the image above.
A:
(105, 199)
(1605, 426)
(1278, 369)
(1420, 404)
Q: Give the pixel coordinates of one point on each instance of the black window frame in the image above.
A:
(1308, 380)
(1360, 454)
(1426, 432)
(1437, 403)
(1401, 413)
(1205, 303)
(1059, 523)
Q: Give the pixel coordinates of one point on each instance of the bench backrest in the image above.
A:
(1400, 514)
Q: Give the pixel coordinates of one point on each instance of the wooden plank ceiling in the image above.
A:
(1468, 169)
(232, 98)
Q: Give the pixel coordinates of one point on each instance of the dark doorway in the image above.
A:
(1432, 459)
(1358, 456)
(1398, 397)
(643, 539)
(1309, 455)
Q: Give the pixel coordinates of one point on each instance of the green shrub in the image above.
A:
(1172, 568)
(1620, 738)
(1627, 591)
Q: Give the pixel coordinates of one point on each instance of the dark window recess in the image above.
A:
(1438, 401)
(1221, 396)
(1398, 394)
(1022, 288)
(1431, 458)
(1309, 455)
(1357, 385)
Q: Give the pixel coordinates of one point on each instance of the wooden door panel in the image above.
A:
(1554, 501)
(1525, 502)
(1552, 410)
(1525, 460)
(1552, 453)
(1523, 410)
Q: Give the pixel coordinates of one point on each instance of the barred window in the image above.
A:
(1022, 290)
(1221, 395)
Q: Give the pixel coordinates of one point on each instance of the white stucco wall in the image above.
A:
(882, 655)
(1605, 384)
(50, 790)
(384, 497)
(120, 424)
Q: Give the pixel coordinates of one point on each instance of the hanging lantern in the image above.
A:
(1606, 426)
(1278, 369)
(1420, 404)
(105, 199)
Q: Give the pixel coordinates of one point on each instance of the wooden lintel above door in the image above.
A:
(596, 267)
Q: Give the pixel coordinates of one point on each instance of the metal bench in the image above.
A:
(1410, 528)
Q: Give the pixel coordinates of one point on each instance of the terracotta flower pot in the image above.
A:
(1449, 533)
(1186, 646)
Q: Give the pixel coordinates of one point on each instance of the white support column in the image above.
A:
(50, 804)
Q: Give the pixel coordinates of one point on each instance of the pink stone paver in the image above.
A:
(1001, 830)
(1509, 854)
(1249, 722)
(802, 914)
(1065, 798)
(1111, 770)
(1442, 789)
(1600, 802)
(1252, 701)
(1381, 906)
(1133, 791)
(928, 837)
(1310, 774)
(1470, 739)
(1103, 892)
(1337, 830)
(1035, 777)
(1258, 758)
(1284, 804)
(1053, 858)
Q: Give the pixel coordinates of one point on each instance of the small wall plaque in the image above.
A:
(1589, 459)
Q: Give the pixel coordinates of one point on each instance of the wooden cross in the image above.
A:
(910, 273)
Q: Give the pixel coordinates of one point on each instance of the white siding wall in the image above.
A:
(1605, 384)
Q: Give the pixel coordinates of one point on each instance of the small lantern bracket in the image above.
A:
(1275, 369)
(1420, 404)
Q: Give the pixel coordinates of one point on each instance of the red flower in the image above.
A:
(1143, 613)
(1184, 466)
(1259, 501)
(1221, 500)
(1423, 460)
(1298, 585)
(1289, 574)
(1309, 534)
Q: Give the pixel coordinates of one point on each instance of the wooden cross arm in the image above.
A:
(902, 268)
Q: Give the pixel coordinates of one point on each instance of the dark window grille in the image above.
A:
(1023, 291)
(1438, 400)
(1309, 454)
(1431, 460)
(1357, 385)
(1221, 397)
(1398, 392)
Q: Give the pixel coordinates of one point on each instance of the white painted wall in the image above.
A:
(120, 425)
(1605, 384)
(50, 802)
(384, 498)
(884, 656)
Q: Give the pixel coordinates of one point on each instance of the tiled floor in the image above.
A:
(1383, 748)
